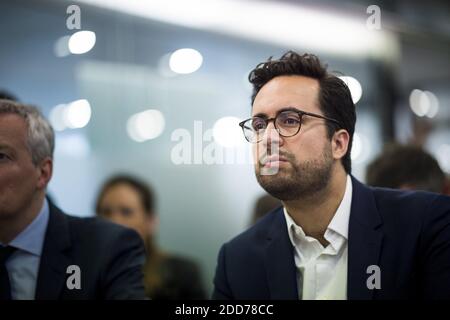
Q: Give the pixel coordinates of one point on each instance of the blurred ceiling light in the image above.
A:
(423, 103)
(164, 68)
(61, 47)
(81, 42)
(185, 61)
(285, 24)
(57, 117)
(361, 148)
(354, 86)
(145, 125)
(418, 102)
(227, 133)
(73, 115)
(433, 103)
(77, 114)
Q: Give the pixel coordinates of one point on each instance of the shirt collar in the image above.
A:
(31, 239)
(341, 218)
(338, 224)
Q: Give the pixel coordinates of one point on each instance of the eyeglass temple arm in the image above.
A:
(319, 116)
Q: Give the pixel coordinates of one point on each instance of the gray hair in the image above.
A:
(41, 138)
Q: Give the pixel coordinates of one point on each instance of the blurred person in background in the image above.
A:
(44, 253)
(264, 204)
(130, 202)
(406, 167)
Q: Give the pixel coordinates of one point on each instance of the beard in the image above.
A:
(297, 179)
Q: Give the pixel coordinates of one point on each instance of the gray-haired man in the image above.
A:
(44, 253)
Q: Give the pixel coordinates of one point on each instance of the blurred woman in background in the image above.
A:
(130, 202)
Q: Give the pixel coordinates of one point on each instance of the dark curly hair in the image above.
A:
(335, 99)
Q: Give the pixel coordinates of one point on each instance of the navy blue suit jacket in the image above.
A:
(109, 256)
(406, 234)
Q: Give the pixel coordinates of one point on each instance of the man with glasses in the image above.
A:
(333, 238)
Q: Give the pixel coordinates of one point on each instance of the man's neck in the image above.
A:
(12, 225)
(314, 213)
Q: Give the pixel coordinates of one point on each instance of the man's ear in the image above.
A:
(339, 143)
(45, 171)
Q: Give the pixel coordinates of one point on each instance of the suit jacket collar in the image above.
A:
(365, 240)
(54, 259)
(279, 260)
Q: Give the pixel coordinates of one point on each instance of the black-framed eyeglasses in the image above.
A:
(287, 123)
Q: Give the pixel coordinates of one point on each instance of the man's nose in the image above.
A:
(271, 138)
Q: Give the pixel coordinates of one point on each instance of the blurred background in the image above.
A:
(153, 88)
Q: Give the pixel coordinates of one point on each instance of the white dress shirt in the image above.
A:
(322, 272)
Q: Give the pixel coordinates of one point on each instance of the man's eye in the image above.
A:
(3, 156)
(291, 121)
(259, 124)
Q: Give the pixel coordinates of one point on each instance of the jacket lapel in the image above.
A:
(279, 260)
(54, 258)
(364, 244)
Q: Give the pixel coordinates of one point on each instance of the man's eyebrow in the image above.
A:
(260, 115)
(4, 146)
(289, 109)
(263, 115)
